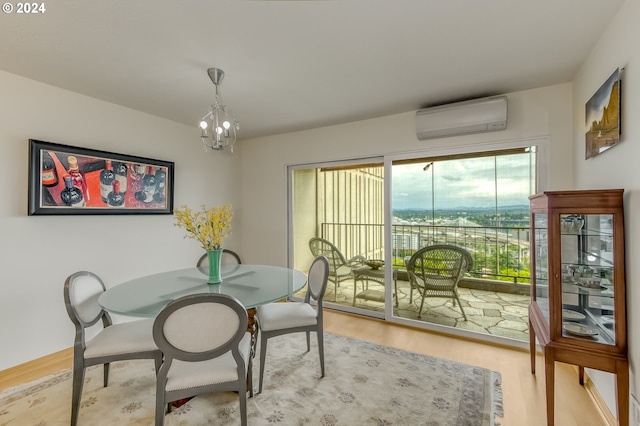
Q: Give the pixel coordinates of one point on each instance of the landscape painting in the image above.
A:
(602, 117)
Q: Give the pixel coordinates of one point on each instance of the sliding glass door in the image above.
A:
(477, 202)
(337, 210)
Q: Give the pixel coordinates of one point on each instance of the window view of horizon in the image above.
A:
(470, 183)
(480, 203)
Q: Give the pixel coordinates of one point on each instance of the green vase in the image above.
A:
(214, 257)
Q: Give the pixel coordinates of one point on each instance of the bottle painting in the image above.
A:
(77, 177)
(49, 172)
(71, 195)
(107, 176)
(115, 197)
(120, 169)
(161, 179)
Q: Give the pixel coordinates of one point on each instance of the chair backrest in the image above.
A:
(322, 247)
(81, 292)
(317, 280)
(200, 327)
(440, 262)
(229, 257)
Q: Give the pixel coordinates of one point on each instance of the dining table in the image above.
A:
(252, 285)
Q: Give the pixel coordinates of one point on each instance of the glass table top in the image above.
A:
(252, 285)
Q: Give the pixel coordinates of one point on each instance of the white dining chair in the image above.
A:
(275, 319)
(206, 347)
(130, 340)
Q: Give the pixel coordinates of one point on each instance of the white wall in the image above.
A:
(37, 253)
(544, 112)
(617, 167)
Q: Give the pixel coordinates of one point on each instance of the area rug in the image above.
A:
(365, 384)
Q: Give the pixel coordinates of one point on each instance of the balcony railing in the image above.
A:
(500, 253)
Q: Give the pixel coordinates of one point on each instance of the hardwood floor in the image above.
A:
(523, 393)
(36, 369)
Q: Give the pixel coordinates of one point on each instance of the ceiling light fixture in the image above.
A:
(218, 126)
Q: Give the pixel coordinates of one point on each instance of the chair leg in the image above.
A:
(76, 392)
(263, 356)
(158, 362)
(242, 399)
(308, 333)
(250, 377)
(106, 374)
(162, 408)
(421, 305)
(321, 350)
(461, 308)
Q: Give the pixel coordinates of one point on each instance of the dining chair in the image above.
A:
(435, 271)
(340, 268)
(115, 342)
(229, 257)
(207, 349)
(275, 319)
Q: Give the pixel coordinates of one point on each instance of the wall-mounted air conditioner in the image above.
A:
(462, 118)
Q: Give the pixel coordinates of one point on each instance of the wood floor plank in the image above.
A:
(524, 393)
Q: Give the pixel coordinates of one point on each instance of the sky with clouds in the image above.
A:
(471, 182)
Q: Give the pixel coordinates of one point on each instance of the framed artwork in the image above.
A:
(71, 180)
(602, 117)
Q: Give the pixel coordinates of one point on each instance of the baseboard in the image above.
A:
(598, 401)
(35, 369)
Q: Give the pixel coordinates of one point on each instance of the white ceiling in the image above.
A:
(294, 65)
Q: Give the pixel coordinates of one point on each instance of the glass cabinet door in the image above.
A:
(587, 277)
(541, 293)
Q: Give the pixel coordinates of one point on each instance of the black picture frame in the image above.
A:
(144, 185)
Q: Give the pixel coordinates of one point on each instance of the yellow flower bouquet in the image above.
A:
(208, 226)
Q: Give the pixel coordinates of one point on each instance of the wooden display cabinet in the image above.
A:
(578, 302)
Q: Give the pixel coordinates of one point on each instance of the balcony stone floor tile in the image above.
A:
(499, 314)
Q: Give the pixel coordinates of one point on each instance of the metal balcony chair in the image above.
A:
(340, 269)
(436, 270)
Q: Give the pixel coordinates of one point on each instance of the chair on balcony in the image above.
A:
(340, 269)
(436, 270)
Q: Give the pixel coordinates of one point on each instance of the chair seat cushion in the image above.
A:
(223, 369)
(280, 316)
(124, 338)
(342, 271)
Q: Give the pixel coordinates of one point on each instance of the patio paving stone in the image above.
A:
(499, 314)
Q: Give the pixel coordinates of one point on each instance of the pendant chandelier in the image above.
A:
(218, 126)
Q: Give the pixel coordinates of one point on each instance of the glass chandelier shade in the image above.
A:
(218, 127)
